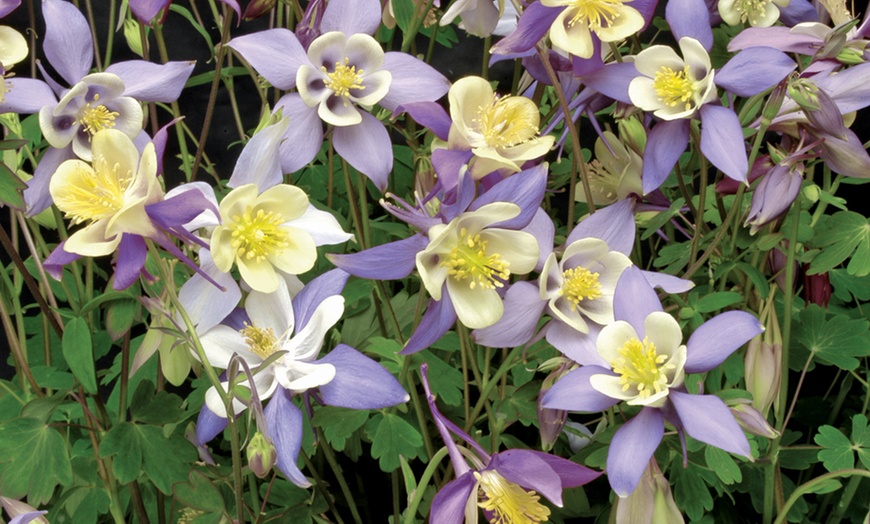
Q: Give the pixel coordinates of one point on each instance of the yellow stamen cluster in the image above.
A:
(344, 78)
(674, 87)
(602, 180)
(641, 367)
(580, 284)
(96, 117)
(595, 13)
(189, 515)
(508, 121)
(261, 341)
(92, 194)
(508, 502)
(258, 235)
(470, 261)
(751, 10)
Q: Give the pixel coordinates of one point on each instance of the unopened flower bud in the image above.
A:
(261, 455)
(551, 421)
(763, 362)
(804, 93)
(651, 502)
(257, 8)
(851, 55)
(633, 134)
(825, 118)
(751, 420)
(774, 195)
(131, 35)
(817, 288)
(308, 29)
(26, 512)
(774, 103)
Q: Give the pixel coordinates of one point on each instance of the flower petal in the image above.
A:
(352, 16)
(666, 142)
(717, 338)
(523, 308)
(754, 70)
(413, 81)
(722, 141)
(631, 448)
(574, 392)
(360, 382)
(304, 138)
(438, 319)
(613, 224)
(68, 44)
(708, 419)
(634, 299)
(367, 147)
(690, 18)
(150, 82)
(284, 421)
(275, 53)
(259, 162)
(448, 506)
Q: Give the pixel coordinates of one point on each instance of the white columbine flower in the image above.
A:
(759, 13)
(670, 86)
(610, 20)
(614, 174)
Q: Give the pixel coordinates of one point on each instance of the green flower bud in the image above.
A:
(261, 455)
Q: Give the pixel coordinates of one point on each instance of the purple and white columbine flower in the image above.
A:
(343, 71)
(646, 365)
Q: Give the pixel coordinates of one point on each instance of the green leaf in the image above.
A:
(78, 351)
(119, 317)
(839, 236)
(445, 380)
(723, 465)
(33, 460)
(199, 29)
(199, 493)
(690, 491)
(403, 10)
(837, 452)
(11, 188)
(165, 460)
(717, 301)
(826, 486)
(847, 286)
(838, 341)
(338, 424)
(391, 436)
(861, 439)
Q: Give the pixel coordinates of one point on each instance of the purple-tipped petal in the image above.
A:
(352, 16)
(634, 299)
(542, 228)
(58, 258)
(438, 319)
(631, 448)
(367, 147)
(150, 82)
(448, 163)
(146, 10)
(798, 11)
(276, 54)
(385, 262)
(284, 421)
(180, 209)
(570, 473)
(718, 337)
(532, 26)
(669, 283)
(316, 291)
(523, 308)
(579, 347)
(413, 81)
(68, 44)
(722, 141)
(525, 468)
(208, 425)
(259, 163)
(613, 224)
(778, 37)
(612, 80)
(708, 419)
(525, 189)
(7, 6)
(428, 114)
(690, 18)
(131, 260)
(360, 382)
(206, 304)
(664, 145)
(448, 506)
(573, 392)
(37, 195)
(304, 138)
(754, 70)
(26, 95)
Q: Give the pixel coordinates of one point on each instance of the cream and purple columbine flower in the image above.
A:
(615, 174)
(758, 13)
(344, 73)
(646, 364)
(288, 332)
(506, 485)
(609, 20)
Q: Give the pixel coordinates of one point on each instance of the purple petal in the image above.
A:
(284, 421)
(708, 419)
(448, 506)
(845, 155)
(669, 283)
(57, 259)
(276, 54)
(445, 426)
(367, 147)
(448, 163)
(778, 37)
(612, 81)
(527, 469)
(131, 260)
(632, 447)
(646, 8)
(579, 347)
(146, 10)
(159, 140)
(523, 308)
(259, 162)
(438, 319)
(690, 18)
(428, 114)
(352, 16)
(666, 142)
(525, 189)
(634, 299)
(587, 66)
(542, 228)
(798, 11)
(718, 337)
(385, 262)
(571, 474)
(316, 291)
(208, 425)
(413, 81)
(234, 5)
(360, 382)
(613, 224)
(26, 96)
(30, 516)
(68, 44)
(180, 208)
(149, 82)
(573, 392)
(532, 26)
(303, 138)
(849, 88)
(722, 141)
(7, 6)
(754, 70)
(37, 195)
(208, 305)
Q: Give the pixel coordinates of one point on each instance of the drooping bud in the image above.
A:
(817, 288)
(308, 29)
(845, 154)
(261, 455)
(651, 502)
(774, 103)
(257, 8)
(774, 195)
(26, 512)
(729, 186)
(551, 421)
(763, 362)
(752, 421)
(824, 115)
(131, 35)
(633, 134)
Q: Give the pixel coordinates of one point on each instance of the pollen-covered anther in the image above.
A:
(508, 121)
(95, 117)
(469, 261)
(94, 193)
(344, 78)
(580, 284)
(595, 13)
(508, 502)
(674, 87)
(261, 341)
(751, 10)
(258, 235)
(641, 367)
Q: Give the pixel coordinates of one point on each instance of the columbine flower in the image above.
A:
(759, 13)
(609, 20)
(506, 485)
(479, 17)
(646, 366)
(614, 174)
(146, 10)
(13, 49)
(21, 512)
(652, 502)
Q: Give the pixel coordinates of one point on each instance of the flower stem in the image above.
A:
(810, 486)
(342, 483)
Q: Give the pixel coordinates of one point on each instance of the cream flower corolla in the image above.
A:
(670, 86)
(645, 369)
(111, 194)
(350, 74)
(759, 13)
(270, 330)
(474, 259)
(583, 283)
(501, 131)
(258, 235)
(13, 47)
(610, 20)
(614, 174)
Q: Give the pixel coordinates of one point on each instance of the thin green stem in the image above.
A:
(417, 496)
(487, 388)
(339, 475)
(810, 486)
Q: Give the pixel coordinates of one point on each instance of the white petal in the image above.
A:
(271, 310)
(664, 332)
(302, 376)
(476, 308)
(612, 338)
(306, 344)
(222, 342)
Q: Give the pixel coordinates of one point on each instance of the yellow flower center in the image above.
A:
(96, 117)
(189, 515)
(260, 341)
(344, 78)
(509, 503)
(580, 284)
(751, 10)
(595, 13)
(674, 87)
(256, 235)
(602, 181)
(94, 193)
(469, 261)
(508, 121)
(641, 367)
